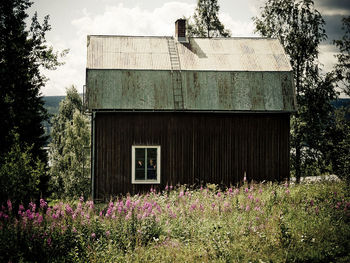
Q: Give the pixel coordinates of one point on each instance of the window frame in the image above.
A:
(133, 180)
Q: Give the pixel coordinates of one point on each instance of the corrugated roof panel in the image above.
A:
(218, 54)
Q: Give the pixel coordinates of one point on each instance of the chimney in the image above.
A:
(180, 30)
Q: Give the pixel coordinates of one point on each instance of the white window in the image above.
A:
(145, 164)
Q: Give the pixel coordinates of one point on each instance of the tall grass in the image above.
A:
(253, 223)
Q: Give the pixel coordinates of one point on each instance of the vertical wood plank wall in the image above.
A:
(196, 148)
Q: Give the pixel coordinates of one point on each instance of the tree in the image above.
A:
(22, 53)
(206, 21)
(342, 69)
(19, 177)
(68, 149)
(300, 29)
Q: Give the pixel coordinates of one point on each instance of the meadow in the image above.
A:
(265, 222)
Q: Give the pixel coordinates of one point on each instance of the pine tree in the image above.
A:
(22, 52)
(300, 29)
(206, 21)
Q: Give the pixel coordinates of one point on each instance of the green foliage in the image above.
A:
(70, 176)
(23, 51)
(206, 22)
(300, 28)
(342, 69)
(20, 174)
(254, 223)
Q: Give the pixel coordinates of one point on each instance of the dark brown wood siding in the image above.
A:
(196, 148)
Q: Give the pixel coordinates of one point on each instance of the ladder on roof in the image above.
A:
(176, 75)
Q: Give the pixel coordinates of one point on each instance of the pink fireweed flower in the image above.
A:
(93, 235)
(201, 207)
(230, 190)
(219, 194)
(226, 206)
(29, 214)
(181, 194)
(128, 216)
(74, 230)
(127, 203)
(257, 200)
(250, 197)
(32, 206)
(171, 187)
(260, 191)
(246, 190)
(166, 188)
(193, 207)
(213, 205)
(108, 233)
(9, 205)
(247, 208)
(69, 210)
(43, 204)
(287, 192)
(236, 192)
(81, 199)
(39, 219)
(49, 241)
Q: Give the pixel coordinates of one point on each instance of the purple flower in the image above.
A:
(181, 194)
(311, 202)
(166, 188)
(39, 219)
(81, 199)
(230, 190)
(219, 194)
(247, 208)
(93, 235)
(236, 191)
(69, 210)
(287, 192)
(246, 190)
(49, 241)
(108, 233)
(43, 204)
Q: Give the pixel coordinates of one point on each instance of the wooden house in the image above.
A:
(179, 110)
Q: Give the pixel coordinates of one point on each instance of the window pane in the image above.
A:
(140, 164)
(152, 163)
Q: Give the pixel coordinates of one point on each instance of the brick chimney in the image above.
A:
(180, 30)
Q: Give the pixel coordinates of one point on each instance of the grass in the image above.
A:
(253, 223)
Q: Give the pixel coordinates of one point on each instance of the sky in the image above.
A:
(73, 20)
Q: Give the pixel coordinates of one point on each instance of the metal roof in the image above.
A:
(211, 54)
(216, 74)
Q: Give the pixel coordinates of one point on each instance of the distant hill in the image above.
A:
(52, 104)
(343, 102)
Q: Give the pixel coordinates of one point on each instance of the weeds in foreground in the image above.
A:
(256, 222)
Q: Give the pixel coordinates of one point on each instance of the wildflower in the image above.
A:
(171, 187)
(260, 191)
(128, 216)
(250, 197)
(74, 230)
(93, 235)
(213, 205)
(193, 207)
(108, 233)
(32, 206)
(127, 203)
(181, 194)
(230, 190)
(43, 204)
(287, 192)
(246, 190)
(219, 194)
(81, 199)
(257, 200)
(236, 191)
(68, 209)
(311, 202)
(49, 241)
(39, 219)
(247, 208)
(166, 187)
(9, 205)
(20, 208)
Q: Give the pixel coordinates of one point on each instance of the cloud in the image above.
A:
(333, 7)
